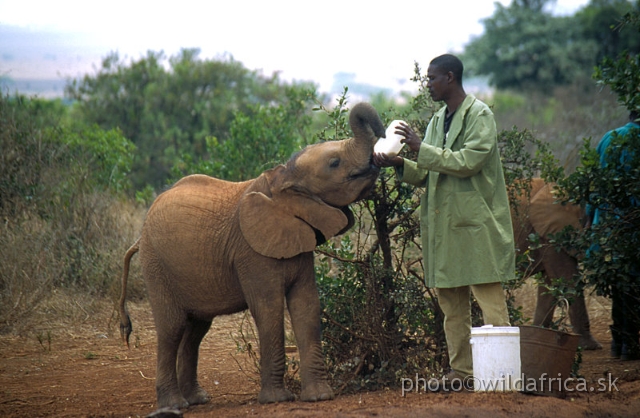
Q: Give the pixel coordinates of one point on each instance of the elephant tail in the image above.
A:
(125, 322)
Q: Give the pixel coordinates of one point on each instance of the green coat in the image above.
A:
(465, 223)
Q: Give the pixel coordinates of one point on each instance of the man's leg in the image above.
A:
(493, 303)
(456, 307)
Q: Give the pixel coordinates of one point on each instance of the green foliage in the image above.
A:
(107, 158)
(602, 21)
(378, 326)
(611, 184)
(524, 47)
(46, 164)
(169, 109)
(613, 259)
(265, 136)
(524, 157)
(623, 77)
(146, 195)
(25, 152)
(58, 188)
(337, 121)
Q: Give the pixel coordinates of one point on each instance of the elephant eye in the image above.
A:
(334, 162)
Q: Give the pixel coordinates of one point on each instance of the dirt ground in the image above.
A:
(77, 367)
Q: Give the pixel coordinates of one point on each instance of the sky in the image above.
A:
(373, 43)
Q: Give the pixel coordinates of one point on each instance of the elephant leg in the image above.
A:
(267, 308)
(304, 306)
(560, 264)
(170, 327)
(581, 325)
(188, 361)
(545, 306)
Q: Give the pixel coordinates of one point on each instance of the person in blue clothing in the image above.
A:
(625, 304)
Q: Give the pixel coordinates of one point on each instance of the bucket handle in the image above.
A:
(563, 304)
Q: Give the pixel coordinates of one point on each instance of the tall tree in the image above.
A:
(600, 21)
(526, 48)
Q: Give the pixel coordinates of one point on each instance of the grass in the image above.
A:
(562, 120)
(41, 259)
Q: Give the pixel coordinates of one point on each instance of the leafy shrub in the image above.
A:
(169, 106)
(260, 139)
(58, 201)
(623, 77)
(612, 245)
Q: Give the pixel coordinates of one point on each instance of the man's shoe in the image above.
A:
(455, 381)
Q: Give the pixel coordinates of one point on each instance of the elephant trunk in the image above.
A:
(367, 128)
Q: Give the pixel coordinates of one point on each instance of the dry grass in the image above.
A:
(42, 258)
(564, 119)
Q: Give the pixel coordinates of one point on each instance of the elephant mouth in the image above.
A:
(369, 174)
(370, 171)
(364, 193)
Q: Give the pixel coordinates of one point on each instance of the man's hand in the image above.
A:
(383, 160)
(411, 139)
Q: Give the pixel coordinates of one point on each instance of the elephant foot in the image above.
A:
(273, 395)
(172, 402)
(587, 342)
(318, 391)
(198, 396)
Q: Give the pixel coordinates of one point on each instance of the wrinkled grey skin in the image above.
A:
(210, 247)
(542, 215)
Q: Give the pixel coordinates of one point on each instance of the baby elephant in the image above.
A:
(211, 247)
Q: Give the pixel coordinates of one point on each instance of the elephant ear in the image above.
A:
(287, 224)
(548, 216)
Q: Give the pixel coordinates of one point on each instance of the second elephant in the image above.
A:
(540, 213)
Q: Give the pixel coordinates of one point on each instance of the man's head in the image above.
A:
(634, 116)
(444, 76)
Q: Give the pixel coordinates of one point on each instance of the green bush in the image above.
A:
(613, 259)
(262, 138)
(61, 221)
(378, 325)
(611, 246)
(169, 106)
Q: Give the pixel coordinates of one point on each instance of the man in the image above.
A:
(624, 302)
(465, 222)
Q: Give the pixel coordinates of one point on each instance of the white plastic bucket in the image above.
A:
(496, 358)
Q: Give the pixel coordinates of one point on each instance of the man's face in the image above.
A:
(437, 83)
